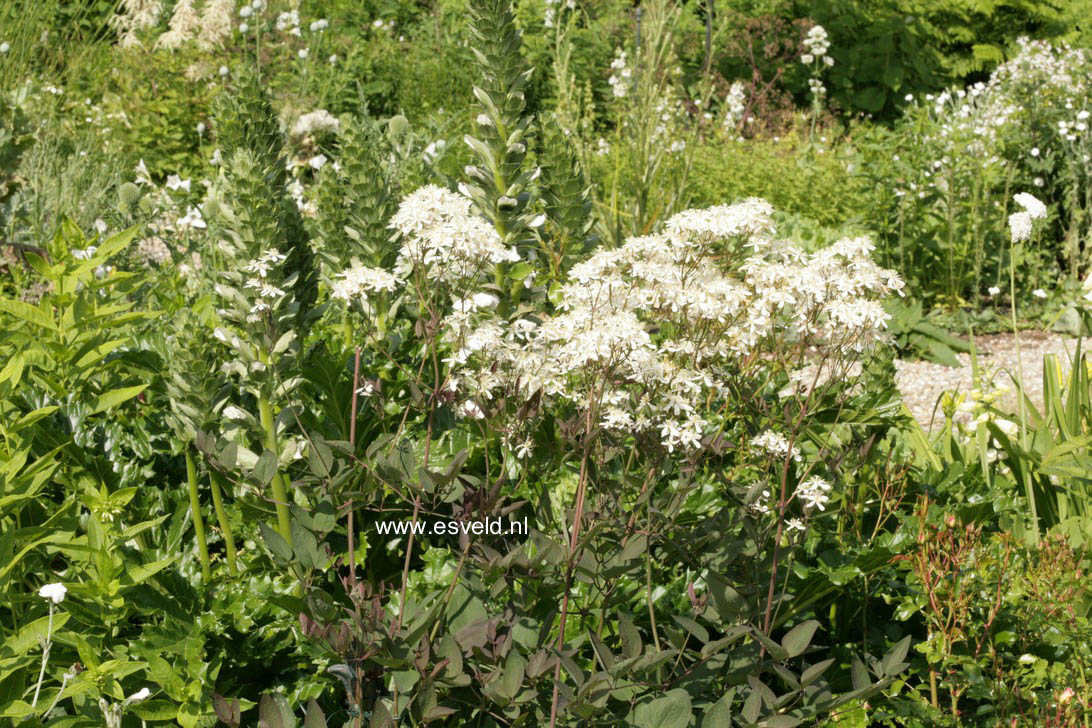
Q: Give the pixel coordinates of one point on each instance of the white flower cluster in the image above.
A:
(813, 492)
(316, 122)
(358, 281)
(1071, 130)
(816, 45)
(728, 293)
(621, 74)
(153, 251)
(133, 16)
(440, 232)
(1020, 223)
(184, 25)
(735, 105)
(775, 444)
(551, 11)
(289, 22)
(266, 295)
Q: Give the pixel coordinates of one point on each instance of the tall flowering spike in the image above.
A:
(498, 184)
(356, 199)
(260, 214)
(567, 198)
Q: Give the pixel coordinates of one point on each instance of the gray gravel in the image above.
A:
(922, 383)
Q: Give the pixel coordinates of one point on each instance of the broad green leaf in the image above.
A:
(799, 637)
(672, 710)
(113, 398)
(30, 314)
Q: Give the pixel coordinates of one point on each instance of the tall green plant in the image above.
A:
(499, 184)
(268, 292)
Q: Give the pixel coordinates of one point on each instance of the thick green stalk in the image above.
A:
(225, 525)
(198, 521)
(280, 492)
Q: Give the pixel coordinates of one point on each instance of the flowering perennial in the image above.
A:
(441, 233)
(647, 334)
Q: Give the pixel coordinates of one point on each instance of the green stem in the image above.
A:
(198, 521)
(280, 492)
(222, 517)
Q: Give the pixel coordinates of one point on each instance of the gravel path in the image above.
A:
(922, 382)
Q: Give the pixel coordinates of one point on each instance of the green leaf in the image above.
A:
(672, 710)
(720, 714)
(25, 312)
(265, 468)
(870, 98)
(276, 543)
(115, 397)
(799, 637)
(692, 627)
(154, 710)
(892, 662)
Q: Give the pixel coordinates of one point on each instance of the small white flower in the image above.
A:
(5, 47)
(319, 25)
(484, 300)
(54, 592)
(192, 218)
(1039, 293)
(909, 97)
(201, 127)
(100, 226)
(244, 28)
(794, 524)
(317, 162)
(174, 182)
(332, 59)
(807, 59)
(1027, 659)
(1038, 181)
(224, 71)
(138, 696)
(993, 291)
(302, 53)
(1035, 151)
(246, 11)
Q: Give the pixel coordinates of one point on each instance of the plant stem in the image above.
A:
(578, 514)
(280, 492)
(198, 520)
(352, 445)
(45, 655)
(222, 518)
